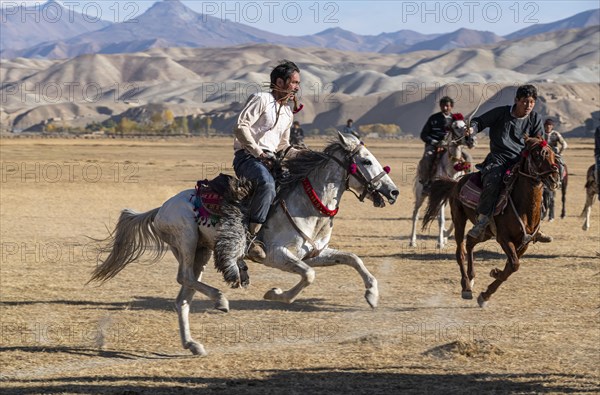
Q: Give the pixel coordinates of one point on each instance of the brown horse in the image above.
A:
(515, 226)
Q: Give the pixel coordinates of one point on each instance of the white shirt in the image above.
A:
(256, 130)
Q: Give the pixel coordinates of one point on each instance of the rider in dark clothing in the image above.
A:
(508, 127)
(433, 133)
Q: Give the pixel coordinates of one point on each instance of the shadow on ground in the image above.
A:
(317, 381)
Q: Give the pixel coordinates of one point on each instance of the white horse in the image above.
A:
(451, 164)
(591, 191)
(296, 234)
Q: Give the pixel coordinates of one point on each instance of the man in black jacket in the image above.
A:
(433, 133)
(508, 127)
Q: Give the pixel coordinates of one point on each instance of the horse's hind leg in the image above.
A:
(331, 257)
(551, 196)
(419, 199)
(189, 277)
(289, 263)
(467, 280)
(500, 276)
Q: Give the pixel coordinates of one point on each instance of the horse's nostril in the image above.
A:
(395, 192)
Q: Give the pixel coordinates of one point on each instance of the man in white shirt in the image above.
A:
(262, 129)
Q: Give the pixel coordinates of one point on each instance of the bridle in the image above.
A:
(353, 169)
(531, 170)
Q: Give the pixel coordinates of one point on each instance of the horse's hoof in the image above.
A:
(273, 294)
(495, 272)
(482, 303)
(196, 349)
(222, 304)
(412, 244)
(585, 228)
(467, 294)
(372, 298)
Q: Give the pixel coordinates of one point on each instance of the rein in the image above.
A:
(352, 169)
(537, 177)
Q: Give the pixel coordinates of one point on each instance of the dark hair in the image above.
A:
(283, 70)
(549, 121)
(296, 123)
(446, 99)
(349, 121)
(526, 91)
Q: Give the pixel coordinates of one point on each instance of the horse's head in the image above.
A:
(457, 133)
(539, 162)
(366, 176)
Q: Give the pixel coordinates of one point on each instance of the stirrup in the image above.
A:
(255, 251)
(541, 237)
(478, 231)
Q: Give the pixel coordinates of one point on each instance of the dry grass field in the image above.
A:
(540, 333)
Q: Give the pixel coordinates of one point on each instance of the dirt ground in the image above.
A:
(540, 333)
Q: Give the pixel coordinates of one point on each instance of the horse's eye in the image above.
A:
(367, 162)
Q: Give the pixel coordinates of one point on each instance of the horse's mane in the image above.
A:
(306, 161)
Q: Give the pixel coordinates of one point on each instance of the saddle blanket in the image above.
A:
(470, 193)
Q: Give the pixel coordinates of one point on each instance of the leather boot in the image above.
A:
(255, 250)
(541, 237)
(478, 231)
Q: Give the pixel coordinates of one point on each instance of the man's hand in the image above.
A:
(267, 159)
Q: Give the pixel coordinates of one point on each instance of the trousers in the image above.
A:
(250, 168)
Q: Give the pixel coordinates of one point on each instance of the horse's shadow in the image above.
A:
(325, 380)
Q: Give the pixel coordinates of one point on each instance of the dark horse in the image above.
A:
(515, 226)
(549, 195)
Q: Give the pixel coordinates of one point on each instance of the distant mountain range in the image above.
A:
(336, 85)
(62, 33)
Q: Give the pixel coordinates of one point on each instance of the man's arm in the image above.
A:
(248, 117)
(486, 120)
(562, 142)
(536, 128)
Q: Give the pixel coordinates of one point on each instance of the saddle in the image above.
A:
(212, 197)
(471, 192)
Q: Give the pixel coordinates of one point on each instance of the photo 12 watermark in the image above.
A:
(469, 11)
(261, 332)
(69, 172)
(70, 11)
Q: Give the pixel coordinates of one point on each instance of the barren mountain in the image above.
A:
(169, 23)
(336, 85)
(24, 27)
(578, 21)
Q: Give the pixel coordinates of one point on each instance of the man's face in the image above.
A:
(524, 106)
(548, 127)
(446, 108)
(291, 85)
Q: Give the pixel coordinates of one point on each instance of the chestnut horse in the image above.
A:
(515, 227)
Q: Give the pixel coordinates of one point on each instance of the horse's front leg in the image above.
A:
(500, 276)
(442, 238)
(419, 199)
(331, 257)
(282, 258)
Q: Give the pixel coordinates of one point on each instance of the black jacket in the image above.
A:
(507, 133)
(435, 128)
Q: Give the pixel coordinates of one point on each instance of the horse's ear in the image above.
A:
(346, 141)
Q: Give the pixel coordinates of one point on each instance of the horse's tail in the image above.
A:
(133, 234)
(230, 244)
(441, 190)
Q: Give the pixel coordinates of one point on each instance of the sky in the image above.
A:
(295, 18)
